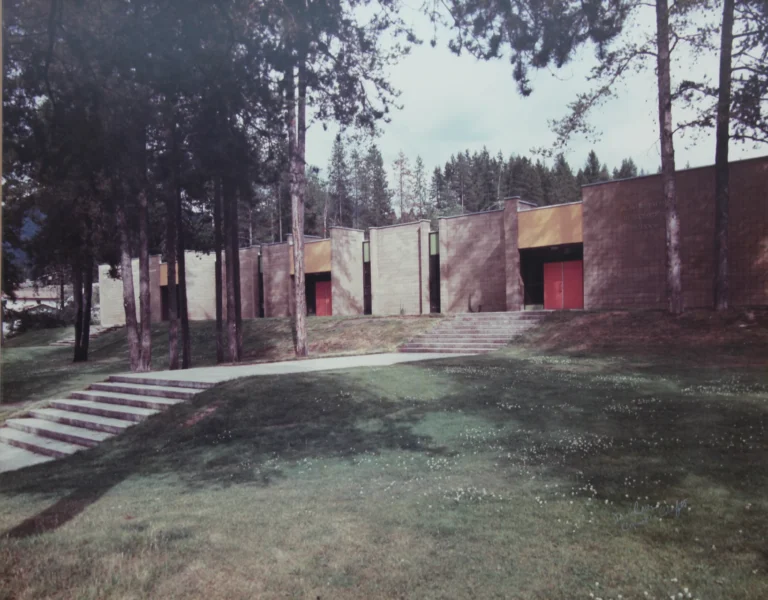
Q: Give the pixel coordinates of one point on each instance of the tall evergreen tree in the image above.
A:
(379, 210)
(403, 193)
(627, 169)
(339, 186)
(419, 189)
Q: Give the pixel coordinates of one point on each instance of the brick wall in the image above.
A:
(513, 279)
(347, 271)
(472, 263)
(275, 265)
(400, 269)
(249, 282)
(624, 239)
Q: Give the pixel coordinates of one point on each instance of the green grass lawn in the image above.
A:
(513, 475)
(32, 370)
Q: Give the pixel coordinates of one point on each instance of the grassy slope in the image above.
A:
(32, 370)
(503, 476)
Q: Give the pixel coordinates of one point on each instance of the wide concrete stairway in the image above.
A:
(85, 419)
(474, 333)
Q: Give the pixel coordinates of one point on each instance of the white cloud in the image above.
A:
(452, 103)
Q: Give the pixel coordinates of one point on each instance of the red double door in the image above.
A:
(323, 306)
(564, 285)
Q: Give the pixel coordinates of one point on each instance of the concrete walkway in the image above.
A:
(212, 375)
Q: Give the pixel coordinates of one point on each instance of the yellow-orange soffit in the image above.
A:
(550, 226)
(317, 257)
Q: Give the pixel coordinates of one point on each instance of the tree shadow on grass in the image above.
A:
(225, 436)
(579, 424)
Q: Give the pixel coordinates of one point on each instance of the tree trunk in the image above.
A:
(77, 296)
(85, 329)
(145, 363)
(297, 145)
(674, 263)
(186, 348)
(126, 275)
(325, 217)
(218, 270)
(235, 241)
(229, 261)
(722, 175)
(170, 260)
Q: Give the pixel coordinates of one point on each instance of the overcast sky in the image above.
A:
(451, 103)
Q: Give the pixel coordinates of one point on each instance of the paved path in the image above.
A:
(224, 373)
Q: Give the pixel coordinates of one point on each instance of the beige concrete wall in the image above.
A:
(472, 263)
(275, 261)
(111, 293)
(347, 271)
(200, 270)
(400, 269)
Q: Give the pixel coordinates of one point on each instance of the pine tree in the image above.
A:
(627, 169)
(339, 186)
(419, 189)
(437, 191)
(379, 210)
(564, 185)
(402, 169)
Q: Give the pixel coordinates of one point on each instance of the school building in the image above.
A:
(605, 252)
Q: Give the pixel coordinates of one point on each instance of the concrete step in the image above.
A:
(13, 458)
(59, 431)
(149, 380)
(77, 419)
(444, 350)
(38, 444)
(103, 409)
(493, 339)
(140, 389)
(450, 347)
(483, 331)
(126, 399)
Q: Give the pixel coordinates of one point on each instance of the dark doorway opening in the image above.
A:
(318, 290)
(261, 291)
(164, 296)
(434, 273)
(532, 261)
(367, 298)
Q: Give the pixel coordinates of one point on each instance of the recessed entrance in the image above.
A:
(553, 277)
(318, 289)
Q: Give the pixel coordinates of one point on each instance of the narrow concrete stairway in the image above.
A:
(87, 418)
(474, 332)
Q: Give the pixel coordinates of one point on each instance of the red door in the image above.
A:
(573, 284)
(553, 286)
(323, 306)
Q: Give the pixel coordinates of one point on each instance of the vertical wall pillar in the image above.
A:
(424, 227)
(514, 280)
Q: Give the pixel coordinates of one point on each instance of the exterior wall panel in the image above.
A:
(472, 263)
(400, 269)
(346, 271)
(550, 226)
(624, 239)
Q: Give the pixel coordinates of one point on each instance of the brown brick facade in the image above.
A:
(624, 239)
(278, 285)
(472, 263)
